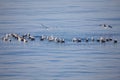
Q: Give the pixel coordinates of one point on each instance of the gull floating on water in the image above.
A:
(6, 39)
(42, 37)
(30, 37)
(76, 40)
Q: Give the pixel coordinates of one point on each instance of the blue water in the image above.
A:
(44, 60)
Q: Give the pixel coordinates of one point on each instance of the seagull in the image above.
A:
(105, 26)
(44, 27)
(42, 37)
(76, 40)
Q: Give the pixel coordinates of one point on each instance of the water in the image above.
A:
(43, 60)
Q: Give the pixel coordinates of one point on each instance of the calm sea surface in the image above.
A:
(44, 60)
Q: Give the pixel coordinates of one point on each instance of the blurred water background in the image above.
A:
(43, 60)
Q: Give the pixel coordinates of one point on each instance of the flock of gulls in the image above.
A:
(27, 37)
